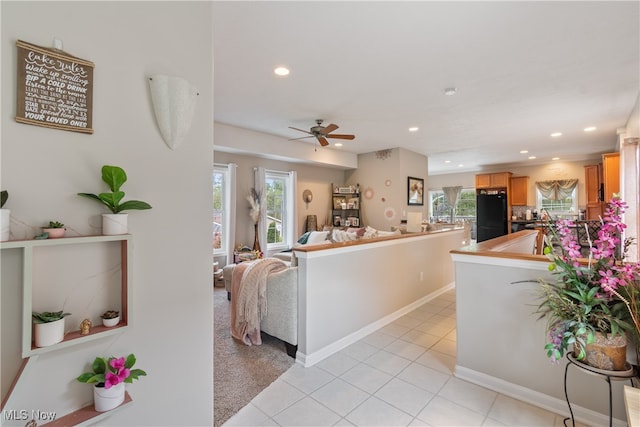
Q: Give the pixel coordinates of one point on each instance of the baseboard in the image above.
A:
(541, 400)
(311, 359)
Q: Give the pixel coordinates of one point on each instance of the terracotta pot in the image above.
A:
(55, 233)
(607, 352)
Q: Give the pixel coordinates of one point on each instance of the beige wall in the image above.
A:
(386, 178)
(315, 178)
(43, 169)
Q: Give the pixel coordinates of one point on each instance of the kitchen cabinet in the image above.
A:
(593, 187)
(519, 188)
(493, 180)
(610, 175)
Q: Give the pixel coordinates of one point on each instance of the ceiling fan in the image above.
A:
(321, 133)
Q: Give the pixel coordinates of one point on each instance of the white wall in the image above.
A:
(43, 169)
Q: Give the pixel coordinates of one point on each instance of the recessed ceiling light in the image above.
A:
(338, 144)
(281, 71)
(450, 91)
(447, 161)
(524, 151)
(590, 129)
(413, 129)
(556, 134)
(460, 165)
(532, 157)
(555, 158)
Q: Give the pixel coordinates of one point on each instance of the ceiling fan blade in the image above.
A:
(340, 136)
(323, 141)
(301, 130)
(302, 137)
(327, 129)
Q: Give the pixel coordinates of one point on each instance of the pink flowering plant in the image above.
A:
(596, 294)
(112, 371)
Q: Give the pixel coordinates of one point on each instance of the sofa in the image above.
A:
(281, 320)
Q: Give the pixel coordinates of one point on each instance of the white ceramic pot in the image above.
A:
(106, 399)
(50, 333)
(114, 224)
(111, 322)
(5, 224)
(55, 233)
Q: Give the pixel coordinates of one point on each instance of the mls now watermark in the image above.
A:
(23, 415)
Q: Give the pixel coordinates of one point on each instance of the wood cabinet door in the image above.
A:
(483, 181)
(611, 175)
(500, 180)
(519, 187)
(592, 182)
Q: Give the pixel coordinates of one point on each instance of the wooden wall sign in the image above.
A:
(55, 89)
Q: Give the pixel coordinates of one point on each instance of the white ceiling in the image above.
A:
(522, 71)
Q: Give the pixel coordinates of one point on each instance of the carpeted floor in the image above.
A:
(240, 372)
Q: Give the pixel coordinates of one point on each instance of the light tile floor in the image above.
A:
(400, 375)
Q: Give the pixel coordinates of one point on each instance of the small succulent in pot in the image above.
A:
(110, 314)
(55, 224)
(55, 230)
(48, 316)
(110, 318)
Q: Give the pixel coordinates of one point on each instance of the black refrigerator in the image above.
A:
(491, 216)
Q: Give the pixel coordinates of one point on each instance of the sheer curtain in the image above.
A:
(453, 195)
(259, 184)
(230, 206)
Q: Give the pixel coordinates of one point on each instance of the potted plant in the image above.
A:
(55, 230)
(109, 377)
(595, 301)
(116, 221)
(48, 327)
(110, 318)
(5, 217)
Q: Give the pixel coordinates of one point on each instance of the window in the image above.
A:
(566, 206)
(279, 214)
(224, 197)
(441, 211)
(219, 193)
(558, 198)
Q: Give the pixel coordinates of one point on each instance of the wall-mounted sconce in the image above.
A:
(174, 101)
(307, 196)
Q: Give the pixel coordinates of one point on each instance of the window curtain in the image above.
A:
(230, 217)
(453, 195)
(558, 189)
(259, 184)
(292, 210)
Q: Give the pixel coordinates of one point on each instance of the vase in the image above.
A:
(256, 242)
(106, 399)
(607, 352)
(49, 333)
(114, 224)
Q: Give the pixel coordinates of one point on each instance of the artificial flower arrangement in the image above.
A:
(599, 294)
(112, 371)
(255, 203)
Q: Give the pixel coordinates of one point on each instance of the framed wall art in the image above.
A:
(415, 191)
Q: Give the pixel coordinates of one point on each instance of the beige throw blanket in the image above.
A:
(249, 298)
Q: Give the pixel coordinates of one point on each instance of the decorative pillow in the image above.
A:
(317, 237)
(359, 231)
(343, 236)
(303, 239)
(370, 233)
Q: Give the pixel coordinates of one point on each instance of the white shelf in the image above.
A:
(71, 338)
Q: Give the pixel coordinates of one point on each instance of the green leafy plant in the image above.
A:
(48, 316)
(112, 371)
(115, 177)
(55, 224)
(4, 195)
(110, 314)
